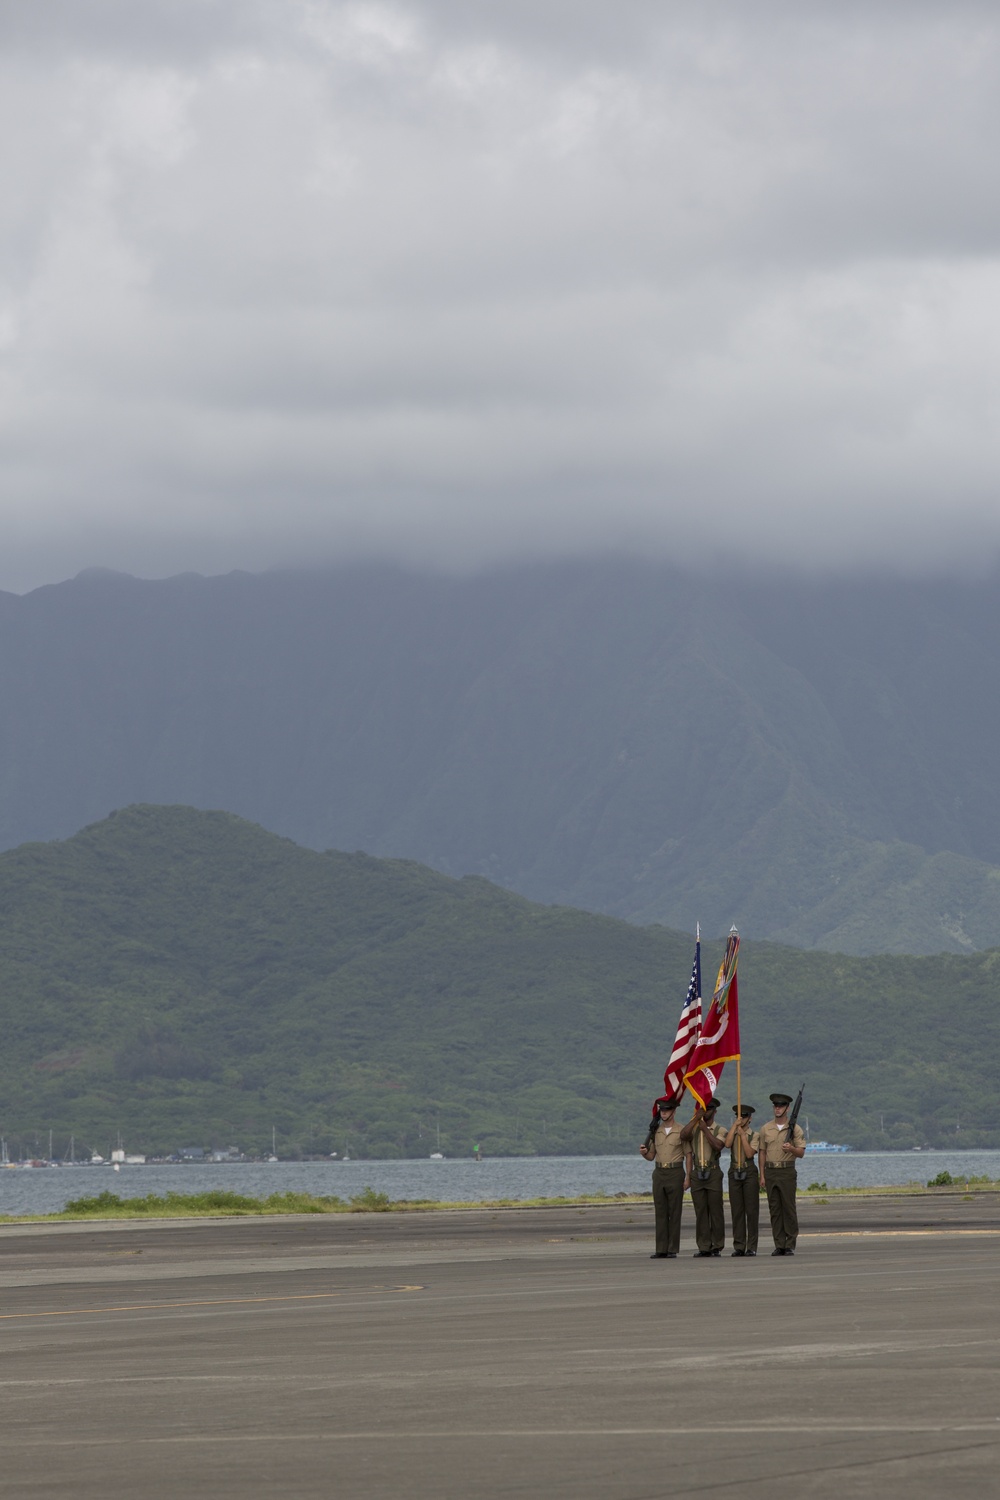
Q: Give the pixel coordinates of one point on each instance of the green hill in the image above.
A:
(189, 979)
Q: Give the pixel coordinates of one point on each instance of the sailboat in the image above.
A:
(274, 1151)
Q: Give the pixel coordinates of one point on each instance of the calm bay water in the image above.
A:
(43, 1190)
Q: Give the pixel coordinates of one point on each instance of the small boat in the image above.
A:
(437, 1156)
(824, 1146)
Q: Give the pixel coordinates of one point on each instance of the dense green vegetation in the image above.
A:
(187, 979)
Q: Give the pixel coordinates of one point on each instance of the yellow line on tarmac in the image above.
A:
(76, 1312)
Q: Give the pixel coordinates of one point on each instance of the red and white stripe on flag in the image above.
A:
(688, 1031)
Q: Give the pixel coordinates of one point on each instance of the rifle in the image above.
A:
(793, 1117)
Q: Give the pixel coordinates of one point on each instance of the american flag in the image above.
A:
(719, 1042)
(688, 1030)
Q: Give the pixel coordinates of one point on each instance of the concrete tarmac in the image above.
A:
(513, 1353)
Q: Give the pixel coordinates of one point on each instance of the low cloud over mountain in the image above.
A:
(454, 283)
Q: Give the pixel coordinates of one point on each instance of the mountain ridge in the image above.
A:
(812, 761)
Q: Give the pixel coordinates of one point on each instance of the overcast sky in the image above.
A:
(453, 282)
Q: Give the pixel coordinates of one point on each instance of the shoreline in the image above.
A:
(37, 1164)
(305, 1206)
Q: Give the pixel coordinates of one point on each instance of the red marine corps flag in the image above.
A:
(720, 1033)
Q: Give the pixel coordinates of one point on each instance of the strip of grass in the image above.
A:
(909, 1189)
(229, 1205)
(221, 1204)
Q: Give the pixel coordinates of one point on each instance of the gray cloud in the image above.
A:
(288, 281)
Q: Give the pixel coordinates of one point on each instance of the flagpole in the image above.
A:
(697, 941)
(739, 1101)
(737, 1155)
(697, 949)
